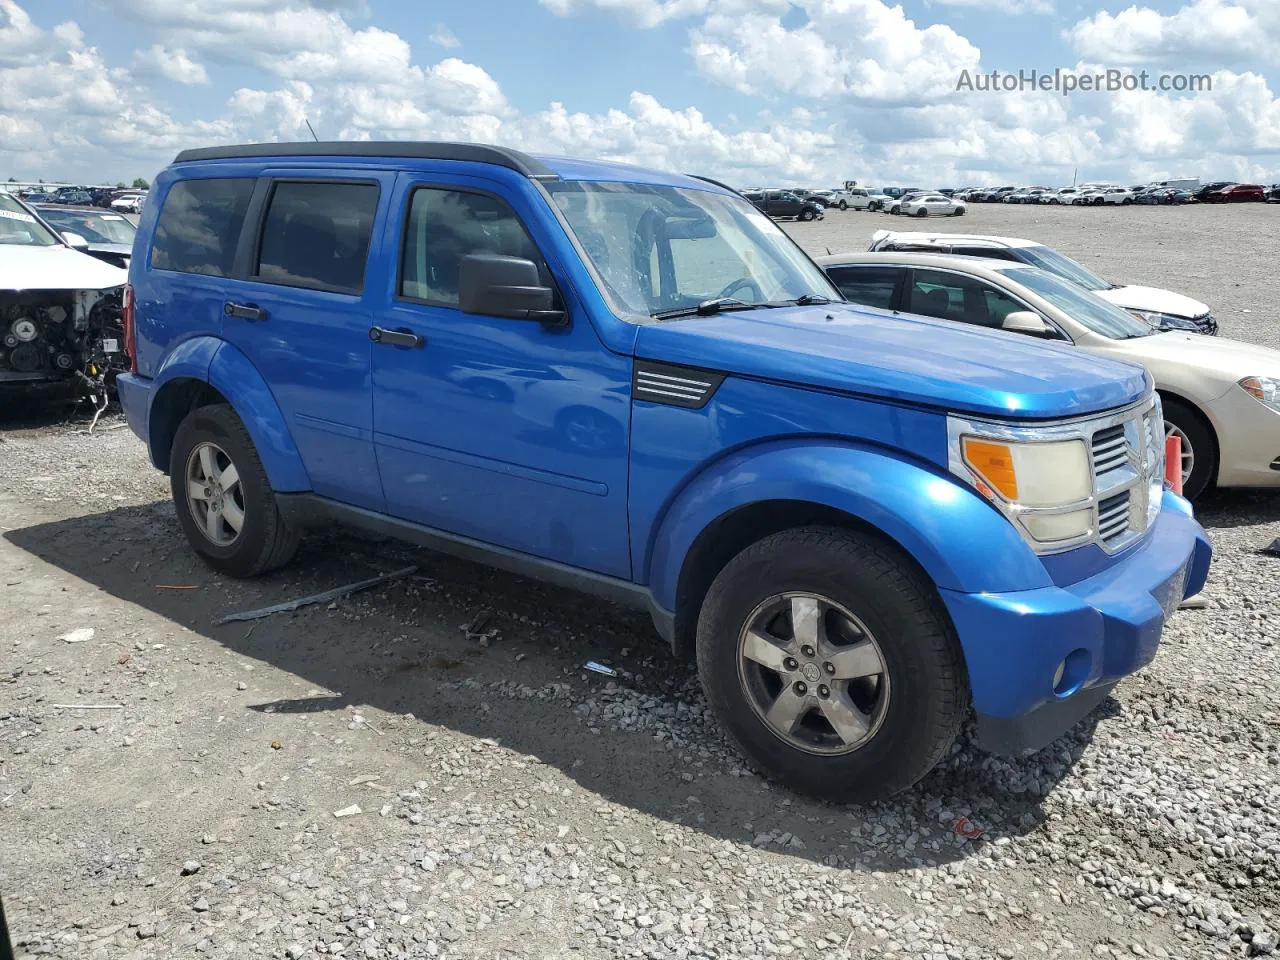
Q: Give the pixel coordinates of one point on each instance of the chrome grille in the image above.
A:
(1113, 517)
(1110, 449)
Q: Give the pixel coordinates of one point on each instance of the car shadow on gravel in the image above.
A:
(642, 740)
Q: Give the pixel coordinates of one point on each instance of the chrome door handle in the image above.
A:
(396, 338)
(245, 311)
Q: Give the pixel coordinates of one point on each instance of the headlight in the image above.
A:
(1266, 390)
(1031, 474)
(1165, 321)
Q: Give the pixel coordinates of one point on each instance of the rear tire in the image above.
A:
(1190, 425)
(263, 540)
(922, 212)
(858, 588)
(844, 205)
(806, 215)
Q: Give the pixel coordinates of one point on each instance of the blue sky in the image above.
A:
(755, 91)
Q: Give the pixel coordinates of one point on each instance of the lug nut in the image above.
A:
(807, 651)
(791, 663)
(829, 667)
(824, 691)
(801, 688)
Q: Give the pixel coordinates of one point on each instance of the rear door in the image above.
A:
(296, 310)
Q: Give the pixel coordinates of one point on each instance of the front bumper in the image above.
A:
(1102, 629)
(1248, 440)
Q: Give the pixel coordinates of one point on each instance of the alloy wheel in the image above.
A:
(215, 495)
(813, 673)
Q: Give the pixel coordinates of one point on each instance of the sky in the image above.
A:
(754, 92)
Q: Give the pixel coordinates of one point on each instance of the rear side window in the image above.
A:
(446, 225)
(199, 226)
(869, 286)
(317, 235)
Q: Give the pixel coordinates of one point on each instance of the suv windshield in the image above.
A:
(18, 226)
(1081, 305)
(1064, 267)
(661, 249)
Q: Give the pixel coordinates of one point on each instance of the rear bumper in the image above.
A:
(1097, 631)
(135, 399)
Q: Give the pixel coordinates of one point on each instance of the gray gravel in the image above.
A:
(514, 805)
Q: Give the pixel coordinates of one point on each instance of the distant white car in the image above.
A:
(1059, 196)
(859, 198)
(932, 205)
(129, 203)
(1117, 195)
(1087, 197)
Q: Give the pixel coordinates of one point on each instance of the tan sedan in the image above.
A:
(1220, 396)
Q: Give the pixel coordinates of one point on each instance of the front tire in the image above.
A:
(832, 663)
(1199, 446)
(223, 498)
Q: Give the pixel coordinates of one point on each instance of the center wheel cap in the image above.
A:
(810, 672)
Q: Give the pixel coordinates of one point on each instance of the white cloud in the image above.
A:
(175, 65)
(856, 50)
(1221, 32)
(645, 13)
(1002, 6)
(444, 37)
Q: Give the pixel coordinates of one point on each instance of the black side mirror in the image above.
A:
(510, 287)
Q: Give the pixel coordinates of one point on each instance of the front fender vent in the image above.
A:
(673, 386)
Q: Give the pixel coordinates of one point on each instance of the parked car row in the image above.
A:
(1185, 190)
(123, 201)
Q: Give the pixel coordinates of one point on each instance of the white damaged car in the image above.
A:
(60, 309)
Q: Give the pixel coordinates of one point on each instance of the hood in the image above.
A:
(900, 357)
(55, 268)
(1152, 298)
(1213, 357)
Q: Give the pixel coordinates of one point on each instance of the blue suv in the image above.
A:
(863, 526)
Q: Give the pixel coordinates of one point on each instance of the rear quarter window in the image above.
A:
(199, 226)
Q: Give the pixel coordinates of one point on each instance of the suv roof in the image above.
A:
(912, 237)
(534, 167)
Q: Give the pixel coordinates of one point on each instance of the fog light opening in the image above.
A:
(1071, 673)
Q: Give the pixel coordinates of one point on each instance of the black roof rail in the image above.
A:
(715, 183)
(401, 149)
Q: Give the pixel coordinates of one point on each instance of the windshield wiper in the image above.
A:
(707, 307)
(808, 299)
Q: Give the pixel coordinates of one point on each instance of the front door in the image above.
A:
(504, 431)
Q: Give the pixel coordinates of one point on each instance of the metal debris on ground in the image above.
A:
(600, 668)
(963, 827)
(176, 586)
(79, 635)
(479, 630)
(325, 597)
(1198, 602)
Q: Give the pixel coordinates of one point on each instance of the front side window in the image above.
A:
(445, 226)
(869, 286)
(658, 248)
(199, 226)
(317, 235)
(19, 228)
(951, 296)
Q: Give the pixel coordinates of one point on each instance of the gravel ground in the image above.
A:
(426, 769)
